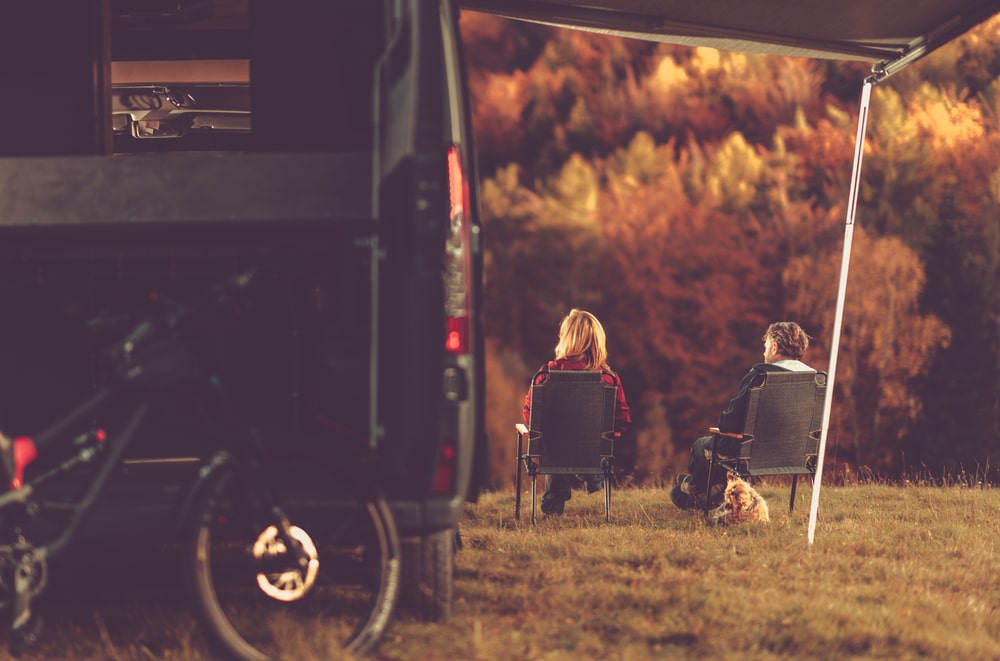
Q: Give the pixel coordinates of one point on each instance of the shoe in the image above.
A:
(681, 499)
(552, 506)
(681, 477)
(594, 486)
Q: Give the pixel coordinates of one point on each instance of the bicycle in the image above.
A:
(271, 571)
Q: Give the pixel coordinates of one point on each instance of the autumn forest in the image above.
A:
(689, 197)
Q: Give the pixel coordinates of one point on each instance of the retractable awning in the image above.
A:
(890, 33)
(830, 29)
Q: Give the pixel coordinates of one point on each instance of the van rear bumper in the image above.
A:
(420, 517)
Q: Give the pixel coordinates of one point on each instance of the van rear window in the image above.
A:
(228, 75)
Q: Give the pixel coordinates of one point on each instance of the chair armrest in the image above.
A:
(715, 430)
(521, 429)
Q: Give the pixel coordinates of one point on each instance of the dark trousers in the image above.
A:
(558, 489)
(694, 484)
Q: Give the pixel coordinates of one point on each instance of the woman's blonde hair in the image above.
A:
(582, 338)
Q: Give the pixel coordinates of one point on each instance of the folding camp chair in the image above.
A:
(571, 430)
(781, 431)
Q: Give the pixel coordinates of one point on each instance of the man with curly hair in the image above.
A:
(785, 345)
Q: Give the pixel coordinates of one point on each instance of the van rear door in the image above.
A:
(429, 372)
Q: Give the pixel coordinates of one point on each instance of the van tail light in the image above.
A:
(458, 258)
(457, 339)
(444, 474)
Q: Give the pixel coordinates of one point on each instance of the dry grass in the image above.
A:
(895, 572)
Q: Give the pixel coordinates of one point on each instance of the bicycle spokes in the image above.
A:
(327, 584)
(292, 580)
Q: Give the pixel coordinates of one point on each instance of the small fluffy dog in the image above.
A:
(740, 503)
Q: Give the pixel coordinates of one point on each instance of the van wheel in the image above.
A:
(429, 575)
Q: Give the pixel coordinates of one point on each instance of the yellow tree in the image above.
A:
(543, 253)
(686, 284)
(707, 93)
(934, 158)
(886, 347)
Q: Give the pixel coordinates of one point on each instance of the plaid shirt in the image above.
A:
(623, 415)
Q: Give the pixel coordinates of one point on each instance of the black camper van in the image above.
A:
(150, 145)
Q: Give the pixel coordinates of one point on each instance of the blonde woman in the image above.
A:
(582, 346)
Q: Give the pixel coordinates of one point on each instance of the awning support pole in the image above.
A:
(852, 204)
(880, 72)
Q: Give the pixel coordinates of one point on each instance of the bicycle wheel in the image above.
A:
(257, 603)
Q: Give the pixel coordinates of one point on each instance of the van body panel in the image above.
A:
(184, 188)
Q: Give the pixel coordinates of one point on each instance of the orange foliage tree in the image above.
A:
(885, 346)
(684, 289)
(688, 197)
(934, 162)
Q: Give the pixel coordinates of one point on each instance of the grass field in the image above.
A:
(895, 572)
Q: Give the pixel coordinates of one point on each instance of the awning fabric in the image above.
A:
(831, 29)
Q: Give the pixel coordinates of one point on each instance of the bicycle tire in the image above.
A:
(348, 607)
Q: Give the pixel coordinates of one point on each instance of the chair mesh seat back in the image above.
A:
(781, 414)
(572, 421)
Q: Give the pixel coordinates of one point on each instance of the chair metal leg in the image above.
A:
(606, 465)
(791, 500)
(534, 482)
(711, 467)
(517, 477)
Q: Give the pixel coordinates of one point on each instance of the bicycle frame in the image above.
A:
(25, 563)
(146, 366)
(134, 384)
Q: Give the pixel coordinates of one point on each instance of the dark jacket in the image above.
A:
(623, 415)
(733, 416)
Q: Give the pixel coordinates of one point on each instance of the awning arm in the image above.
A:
(886, 68)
